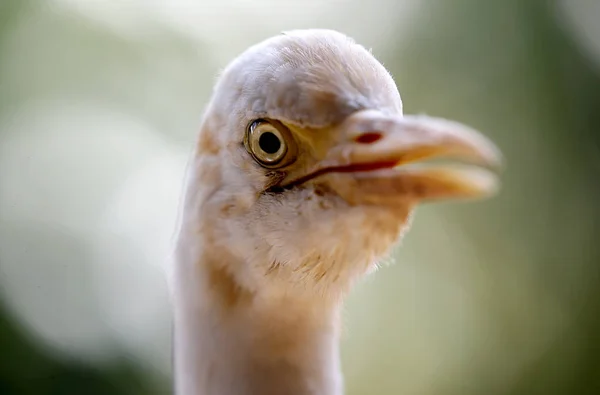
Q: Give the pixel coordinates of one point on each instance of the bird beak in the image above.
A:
(370, 160)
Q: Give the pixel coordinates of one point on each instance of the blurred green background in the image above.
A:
(100, 102)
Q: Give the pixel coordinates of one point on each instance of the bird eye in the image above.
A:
(269, 143)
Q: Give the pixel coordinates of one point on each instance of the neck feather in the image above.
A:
(230, 340)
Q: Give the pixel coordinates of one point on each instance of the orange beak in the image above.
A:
(371, 155)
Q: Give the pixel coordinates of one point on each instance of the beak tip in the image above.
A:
(494, 159)
(483, 184)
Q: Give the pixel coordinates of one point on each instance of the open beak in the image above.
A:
(372, 157)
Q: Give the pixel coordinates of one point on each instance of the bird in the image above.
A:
(304, 175)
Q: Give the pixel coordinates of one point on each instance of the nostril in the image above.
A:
(368, 138)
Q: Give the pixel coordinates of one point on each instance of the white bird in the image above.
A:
(298, 185)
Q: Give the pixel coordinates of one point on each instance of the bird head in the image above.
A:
(306, 171)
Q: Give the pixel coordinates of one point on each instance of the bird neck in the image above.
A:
(231, 340)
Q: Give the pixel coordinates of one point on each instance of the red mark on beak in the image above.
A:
(368, 138)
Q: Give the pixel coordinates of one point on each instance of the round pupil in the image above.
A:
(269, 143)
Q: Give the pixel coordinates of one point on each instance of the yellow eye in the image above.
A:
(270, 143)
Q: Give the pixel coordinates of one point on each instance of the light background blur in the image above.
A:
(100, 102)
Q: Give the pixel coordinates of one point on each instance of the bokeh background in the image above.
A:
(101, 100)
